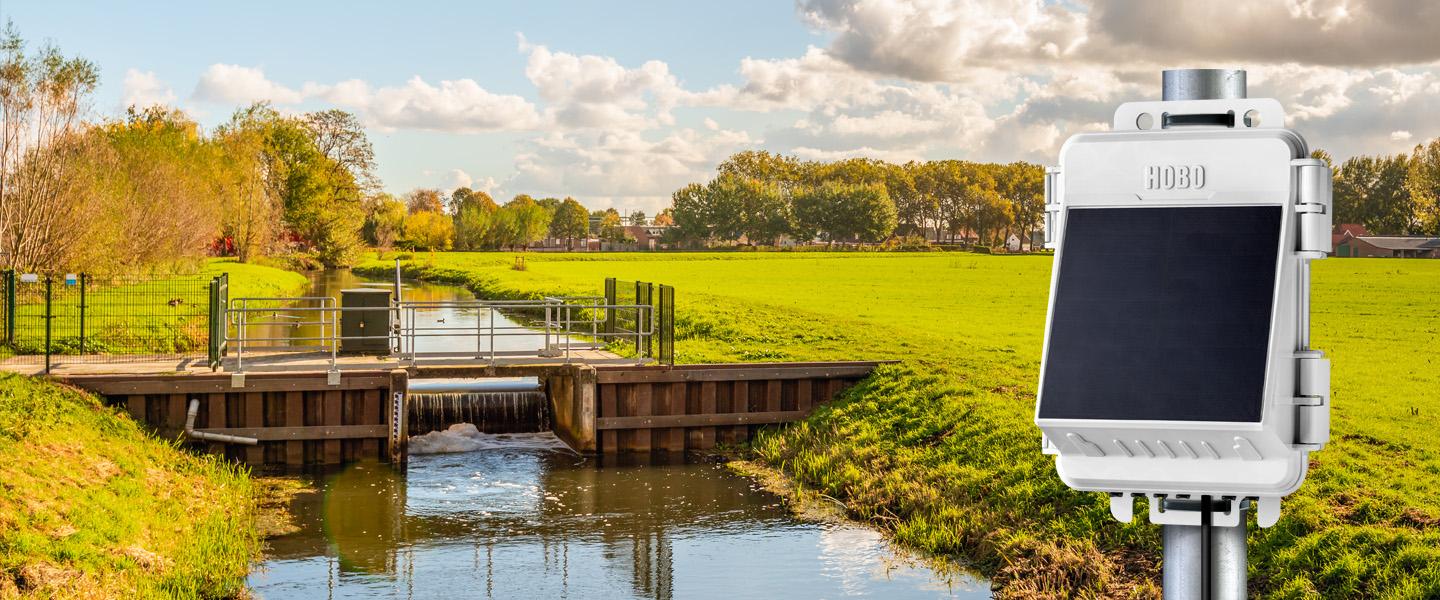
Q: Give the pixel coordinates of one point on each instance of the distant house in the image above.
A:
(647, 237)
(1390, 246)
(1351, 240)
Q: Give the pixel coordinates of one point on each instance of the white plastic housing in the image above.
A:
(1242, 166)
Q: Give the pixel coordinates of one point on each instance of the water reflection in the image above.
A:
(523, 522)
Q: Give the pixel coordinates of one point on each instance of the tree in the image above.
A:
(570, 221)
(474, 214)
(690, 211)
(1022, 185)
(1423, 182)
(1373, 191)
(429, 230)
(525, 222)
(638, 219)
(424, 200)
(341, 138)
(666, 217)
(321, 203)
(384, 220)
(41, 98)
(612, 228)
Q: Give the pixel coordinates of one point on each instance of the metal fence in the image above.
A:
(659, 320)
(80, 318)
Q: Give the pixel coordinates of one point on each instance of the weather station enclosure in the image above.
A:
(1177, 363)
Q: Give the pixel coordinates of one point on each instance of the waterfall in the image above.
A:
(490, 412)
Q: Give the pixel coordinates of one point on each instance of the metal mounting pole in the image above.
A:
(1205, 562)
(1202, 84)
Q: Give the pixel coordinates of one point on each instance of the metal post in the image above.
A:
(1202, 84)
(83, 278)
(1206, 562)
(48, 315)
(10, 306)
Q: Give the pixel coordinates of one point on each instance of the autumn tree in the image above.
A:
(570, 221)
(424, 200)
(429, 230)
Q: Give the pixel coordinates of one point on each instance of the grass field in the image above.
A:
(93, 507)
(941, 450)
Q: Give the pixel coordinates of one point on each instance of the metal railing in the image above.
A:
(314, 325)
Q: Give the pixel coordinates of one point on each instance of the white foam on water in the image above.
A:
(464, 437)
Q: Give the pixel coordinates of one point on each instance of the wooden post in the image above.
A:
(609, 407)
(370, 414)
(215, 419)
(331, 415)
(707, 407)
(254, 417)
(294, 417)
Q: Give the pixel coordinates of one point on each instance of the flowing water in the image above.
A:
(517, 515)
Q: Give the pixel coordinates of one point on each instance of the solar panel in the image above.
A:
(1162, 314)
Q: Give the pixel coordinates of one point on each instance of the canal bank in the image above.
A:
(642, 526)
(939, 452)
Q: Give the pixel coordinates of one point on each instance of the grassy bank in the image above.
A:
(941, 451)
(93, 507)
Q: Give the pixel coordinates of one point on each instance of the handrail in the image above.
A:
(564, 318)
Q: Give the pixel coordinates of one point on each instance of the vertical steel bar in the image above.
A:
(492, 335)
(83, 279)
(48, 316)
(1229, 560)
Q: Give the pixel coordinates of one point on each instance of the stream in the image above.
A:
(521, 516)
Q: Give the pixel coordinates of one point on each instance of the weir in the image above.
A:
(302, 418)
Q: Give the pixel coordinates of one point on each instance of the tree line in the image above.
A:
(763, 198)
(151, 188)
(1397, 194)
(467, 219)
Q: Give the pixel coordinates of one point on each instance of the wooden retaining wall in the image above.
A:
(301, 420)
(695, 407)
(298, 418)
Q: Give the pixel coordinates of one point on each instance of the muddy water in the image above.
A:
(519, 516)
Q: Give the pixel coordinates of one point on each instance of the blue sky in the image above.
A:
(618, 104)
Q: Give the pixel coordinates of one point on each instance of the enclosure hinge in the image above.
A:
(1312, 400)
(1052, 207)
(1313, 189)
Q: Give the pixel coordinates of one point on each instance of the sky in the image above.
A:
(620, 103)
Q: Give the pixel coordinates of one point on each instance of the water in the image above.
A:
(491, 412)
(517, 515)
(522, 518)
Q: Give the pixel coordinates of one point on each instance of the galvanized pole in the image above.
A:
(48, 315)
(83, 279)
(1204, 562)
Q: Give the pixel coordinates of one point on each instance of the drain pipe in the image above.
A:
(206, 436)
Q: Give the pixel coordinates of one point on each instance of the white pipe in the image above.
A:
(206, 436)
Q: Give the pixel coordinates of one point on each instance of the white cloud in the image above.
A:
(1400, 135)
(589, 91)
(234, 84)
(143, 89)
(459, 106)
(458, 178)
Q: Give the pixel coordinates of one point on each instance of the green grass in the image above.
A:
(138, 316)
(91, 506)
(941, 450)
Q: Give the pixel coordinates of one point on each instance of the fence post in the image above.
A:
(83, 279)
(644, 318)
(10, 306)
(666, 324)
(610, 297)
(48, 315)
(212, 344)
